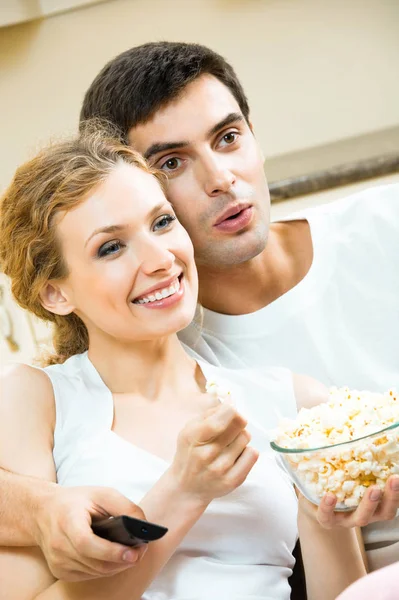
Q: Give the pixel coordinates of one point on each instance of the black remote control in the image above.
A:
(128, 530)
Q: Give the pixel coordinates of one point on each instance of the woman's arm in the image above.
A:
(27, 417)
(332, 558)
(212, 459)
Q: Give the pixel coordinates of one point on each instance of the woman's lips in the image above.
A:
(160, 287)
(165, 302)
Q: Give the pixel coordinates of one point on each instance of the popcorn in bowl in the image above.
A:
(342, 446)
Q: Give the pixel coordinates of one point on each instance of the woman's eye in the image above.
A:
(164, 222)
(109, 248)
(171, 164)
(229, 138)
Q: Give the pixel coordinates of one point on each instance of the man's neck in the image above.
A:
(250, 286)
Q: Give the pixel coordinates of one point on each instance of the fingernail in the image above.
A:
(395, 484)
(129, 556)
(375, 494)
(329, 500)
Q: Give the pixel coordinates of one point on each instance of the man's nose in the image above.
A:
(218, 178)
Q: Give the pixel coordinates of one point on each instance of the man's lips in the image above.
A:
(230, 212)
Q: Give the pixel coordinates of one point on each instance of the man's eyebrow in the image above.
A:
(159, 147)
(231, 118)
(116, 228)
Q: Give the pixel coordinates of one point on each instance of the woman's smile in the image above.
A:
(163, 296)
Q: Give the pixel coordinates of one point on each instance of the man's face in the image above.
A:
(214, 165)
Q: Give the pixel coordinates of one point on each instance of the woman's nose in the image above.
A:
(157, 258)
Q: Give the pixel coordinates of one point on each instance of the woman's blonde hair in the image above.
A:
(57, 179)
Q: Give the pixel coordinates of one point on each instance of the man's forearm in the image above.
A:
(20, 498)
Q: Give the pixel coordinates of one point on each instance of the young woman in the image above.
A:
(92, 245)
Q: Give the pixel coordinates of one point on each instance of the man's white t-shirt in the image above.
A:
(340, 324)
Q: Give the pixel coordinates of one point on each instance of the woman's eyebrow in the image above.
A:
(105, 229)
(115, 228)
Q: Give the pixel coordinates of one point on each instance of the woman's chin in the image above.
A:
(181, 321)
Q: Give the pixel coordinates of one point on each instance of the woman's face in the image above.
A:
(131, 266)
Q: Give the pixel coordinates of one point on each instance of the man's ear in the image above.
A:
(55, 300)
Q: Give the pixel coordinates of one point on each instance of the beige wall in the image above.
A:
(19, 11)
(315, 71)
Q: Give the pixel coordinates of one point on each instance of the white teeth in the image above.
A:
(163, 293)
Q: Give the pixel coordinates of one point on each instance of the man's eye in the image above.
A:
(229, 138)
(109, 248)
(164, 222)
(171, 164)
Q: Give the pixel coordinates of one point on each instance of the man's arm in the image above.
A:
(20, 499)
(36, 512)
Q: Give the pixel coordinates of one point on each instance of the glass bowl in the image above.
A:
(346, 469)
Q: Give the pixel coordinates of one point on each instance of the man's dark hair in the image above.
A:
(134, 85)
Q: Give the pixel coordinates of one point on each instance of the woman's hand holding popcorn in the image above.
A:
(376, 505)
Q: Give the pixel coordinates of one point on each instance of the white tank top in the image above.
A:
(241, 548)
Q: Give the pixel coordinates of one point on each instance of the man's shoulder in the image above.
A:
(381, 201)
(365, 219)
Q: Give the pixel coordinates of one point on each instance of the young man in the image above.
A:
(315, 293)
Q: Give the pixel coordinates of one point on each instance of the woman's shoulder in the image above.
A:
(27, 412)
(17, 377)
(26, 388)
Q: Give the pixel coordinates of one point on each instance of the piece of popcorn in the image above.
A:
(218, 392)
